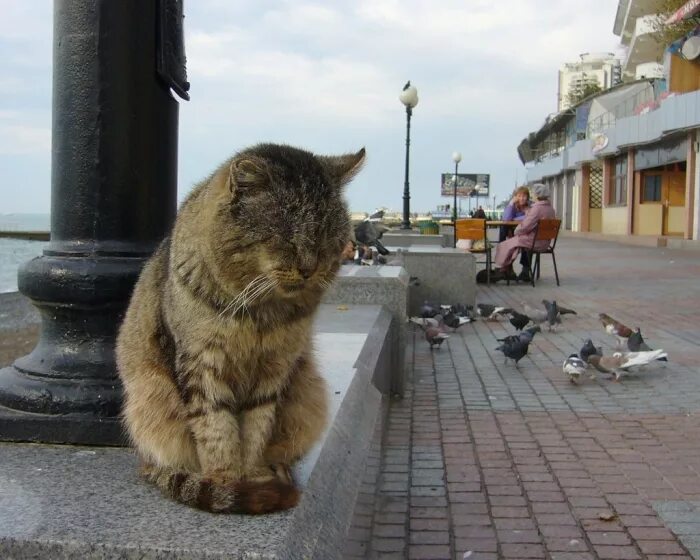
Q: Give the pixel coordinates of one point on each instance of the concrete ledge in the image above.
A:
(69, 502)
(378, 285)
(445, 275)
(409, 238)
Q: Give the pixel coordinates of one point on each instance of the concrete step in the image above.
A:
(70, 502)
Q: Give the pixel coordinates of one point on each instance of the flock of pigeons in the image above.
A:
(631, 350)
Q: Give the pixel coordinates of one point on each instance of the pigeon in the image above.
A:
(426, 322)
(588, 349)
(518, 320)
(488, 311)
(428, 309)
(526, 336)
(537, 316)
(574, 367)
(615, 328)
(515, 351)
(455, 321)
(462, 310)
(619, 363)
(529, 333)
(565, 311)
(368, 233)
(377, 215)
(553, 316)
(434, 335)
(635, 343)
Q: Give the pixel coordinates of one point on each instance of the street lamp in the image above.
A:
(456, 157)
(409, 97)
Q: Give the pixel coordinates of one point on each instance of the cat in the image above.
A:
(221, 393)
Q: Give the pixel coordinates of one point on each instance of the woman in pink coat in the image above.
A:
(524, 235)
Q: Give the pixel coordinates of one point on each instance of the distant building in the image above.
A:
(603, 69)
(634, 24)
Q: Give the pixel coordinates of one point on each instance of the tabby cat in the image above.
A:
(222, 394)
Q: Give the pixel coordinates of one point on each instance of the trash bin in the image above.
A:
(428, 227)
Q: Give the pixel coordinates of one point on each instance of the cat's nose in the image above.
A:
(307, 271)
(306, 265)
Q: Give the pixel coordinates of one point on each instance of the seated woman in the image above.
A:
(524, 234)
(516, 210)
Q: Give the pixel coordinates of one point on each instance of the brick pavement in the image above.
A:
(481, 460)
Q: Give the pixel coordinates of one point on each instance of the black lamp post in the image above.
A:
(456, 157)
(409, 97)
(113, 198)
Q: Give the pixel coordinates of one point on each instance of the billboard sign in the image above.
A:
(468, 184)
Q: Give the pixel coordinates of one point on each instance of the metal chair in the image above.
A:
(546, 230)
(475, 230)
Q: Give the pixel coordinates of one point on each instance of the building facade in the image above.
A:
(624, 162)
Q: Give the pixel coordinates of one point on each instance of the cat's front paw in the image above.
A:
(260, 473)
(283, 472)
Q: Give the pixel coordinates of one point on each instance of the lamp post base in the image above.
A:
(78, 429)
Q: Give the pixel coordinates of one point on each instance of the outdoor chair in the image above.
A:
(474, 229)
(546, 230)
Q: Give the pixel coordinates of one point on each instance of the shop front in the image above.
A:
(660, 205)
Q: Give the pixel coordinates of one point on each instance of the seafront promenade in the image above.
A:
(483, 461)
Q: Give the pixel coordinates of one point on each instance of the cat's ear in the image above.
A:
(247, 173)
(343, 168)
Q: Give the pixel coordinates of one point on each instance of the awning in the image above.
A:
(689, 9)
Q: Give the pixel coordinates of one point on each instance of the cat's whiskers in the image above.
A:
(235, 302)
(258, 293)
(257, 288)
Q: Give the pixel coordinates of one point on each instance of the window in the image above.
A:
(652, 188)
(618, 192)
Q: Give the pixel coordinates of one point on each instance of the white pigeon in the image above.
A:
(620, 362)
(574, 367)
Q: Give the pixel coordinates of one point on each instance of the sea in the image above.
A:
(15, 252)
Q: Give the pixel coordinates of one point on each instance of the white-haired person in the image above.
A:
(523, 236)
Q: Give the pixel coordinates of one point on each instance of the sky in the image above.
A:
(326, 76)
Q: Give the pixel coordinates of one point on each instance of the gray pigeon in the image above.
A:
(574, 367)
(553, 316)
(429, 309)
(426, 322)
(635, 343)
(515, 350)
(619, 363)
(368, 233)
(588, 349)
(537, 316)
(455, 321)
(526, 335)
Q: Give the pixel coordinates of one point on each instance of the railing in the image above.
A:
(626, 108)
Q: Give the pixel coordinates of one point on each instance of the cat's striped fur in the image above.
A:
(221, 392)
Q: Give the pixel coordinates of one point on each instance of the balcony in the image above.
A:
(643, 46)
